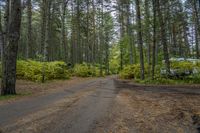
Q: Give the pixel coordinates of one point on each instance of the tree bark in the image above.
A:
(154, 39)
(148, 35)
(129, 32)
(94, 32)
(1, 35)
(64, 40)
(101, 38)
(163, 38)
(47, 37)
(140, 42)
(11, 48)
(43, 26)
(79, 51)
(197, 27)
(29, 49)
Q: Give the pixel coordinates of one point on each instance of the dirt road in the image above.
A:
(106, 105)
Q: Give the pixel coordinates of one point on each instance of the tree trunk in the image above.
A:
(29, 49)
(129, 32)
(94, 32)
(101, 38)
(174, 39)
(79, 50)
(140, 42)
(64, 42)
(1, 35)
(107, 54)
(47, 37)
(43, 26)
(154, 39)
(133, 38)
(88, 50)
(122, 32)
(148, 35)
(11, 48)
(197, 27)
(163, 38)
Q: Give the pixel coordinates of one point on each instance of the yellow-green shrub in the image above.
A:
(57, 70)
(182, 65)
(29, 70)
(197, 64)
(33, 70)
(86, 70)
(127, 72)
(132, 72)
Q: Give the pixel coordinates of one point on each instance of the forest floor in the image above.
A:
(27, 89)
(102, 105)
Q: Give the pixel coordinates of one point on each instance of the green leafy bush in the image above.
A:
(184, 72)
(182, 66)
(86, 70)
(157, 71)
(193, 79)
(127, 72)
(57, 70)
(29, 70)
(183, 69)
(197, 64)
(132, 72)
(33, 70)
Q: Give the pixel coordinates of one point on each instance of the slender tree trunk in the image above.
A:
(79, 51)
(129, 32)
(174, 39)
(47, 37)
(94, 32)
(188, 53)
(29, 49)
(73, 37)
(133, 38)
(101, 38)
(154, 39)
(148, 35)
(180, 38)
(107, 54)
(197, 27)
(11, 48)
(88, 50)
(64, 42)
(163, 38)
(1, 35)
(43, 26)
(140, 42)
(122, 32)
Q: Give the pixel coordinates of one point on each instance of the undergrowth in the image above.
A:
(133, 72)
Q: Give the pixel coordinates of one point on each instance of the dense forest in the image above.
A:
(136, 38)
